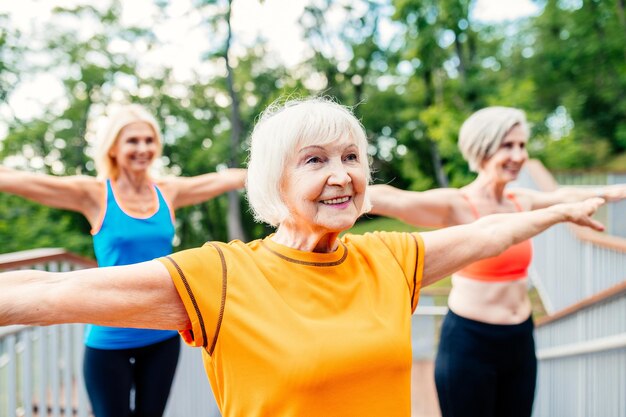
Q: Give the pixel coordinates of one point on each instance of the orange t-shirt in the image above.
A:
(292, 333)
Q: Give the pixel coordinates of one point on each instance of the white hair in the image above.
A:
(282, 128)
(106, 166)
(482, 133)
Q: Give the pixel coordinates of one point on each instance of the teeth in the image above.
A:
(336, 200)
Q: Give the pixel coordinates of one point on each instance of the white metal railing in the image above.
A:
(582, 348)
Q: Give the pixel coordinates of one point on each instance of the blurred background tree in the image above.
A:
(413, 70)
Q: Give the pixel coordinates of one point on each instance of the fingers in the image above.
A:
(592, 205)
(595, 203)
(595, 225)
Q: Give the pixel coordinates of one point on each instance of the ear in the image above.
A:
(113, 151)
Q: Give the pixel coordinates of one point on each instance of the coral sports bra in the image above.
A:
(510, 265)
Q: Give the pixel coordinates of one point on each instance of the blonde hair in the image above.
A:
(483, 132)
(106, 166)
(280, 130)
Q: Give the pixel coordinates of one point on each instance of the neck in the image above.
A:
(487, 187)
(135, 181)
(320, 242)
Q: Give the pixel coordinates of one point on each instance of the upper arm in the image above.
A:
(139, 295)
(432, 208)
(77, 193)
(185, 191)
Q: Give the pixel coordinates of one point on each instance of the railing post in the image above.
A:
(27, 372)
(12, 372)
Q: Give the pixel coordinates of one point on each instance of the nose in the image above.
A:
(519, 154)
(338, 174)
(142, 146)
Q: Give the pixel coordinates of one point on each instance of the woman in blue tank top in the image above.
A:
(132, 219)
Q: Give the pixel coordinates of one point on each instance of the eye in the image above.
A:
(313, 160)
(522, 146)
(352, 157)
(132, 140)
(507, 145)
(149, 140)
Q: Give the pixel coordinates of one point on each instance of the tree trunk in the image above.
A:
(440, 175)
(620, 5)
(234, 224)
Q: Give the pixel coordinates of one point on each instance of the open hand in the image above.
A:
(581, 213)
(615, 192)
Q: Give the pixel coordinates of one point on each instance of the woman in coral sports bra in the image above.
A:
(486, 364)
(132, 220)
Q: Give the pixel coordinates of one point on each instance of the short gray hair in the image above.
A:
(281, 129)
(482, 133)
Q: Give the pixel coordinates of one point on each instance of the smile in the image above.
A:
(336, 200)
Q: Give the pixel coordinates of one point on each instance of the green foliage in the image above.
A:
(412, 90)
(25, 225)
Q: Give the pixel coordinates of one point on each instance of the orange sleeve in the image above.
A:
(197, 275)
(408, 249)
(419, 269)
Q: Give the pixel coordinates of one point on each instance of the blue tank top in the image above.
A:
(122, 240)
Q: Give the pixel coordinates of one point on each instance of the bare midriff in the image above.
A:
(503, 302)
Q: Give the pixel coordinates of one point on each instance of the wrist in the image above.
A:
(560, 212)
(599, 192)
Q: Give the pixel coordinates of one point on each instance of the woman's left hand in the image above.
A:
(611, 193)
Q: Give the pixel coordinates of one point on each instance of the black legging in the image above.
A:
(485, 370)
(111, 374)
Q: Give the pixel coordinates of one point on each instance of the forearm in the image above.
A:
(232, 178)
(384, 200)
(504, 230)
(5, 177)
(575, 194)
(198, 189)
(24, 298)
(452, 248)
(139, 295)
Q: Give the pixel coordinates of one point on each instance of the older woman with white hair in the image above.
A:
(132, 220)
(486, 364)
(303, 322)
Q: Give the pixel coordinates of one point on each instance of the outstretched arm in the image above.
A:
(77, 193)
(186, 191)
(540, 199)
(141, 295)
(450, 249)
(433, 208)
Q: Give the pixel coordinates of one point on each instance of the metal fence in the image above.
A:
(581, 279)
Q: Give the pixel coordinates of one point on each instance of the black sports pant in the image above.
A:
(485, 370)
(111, 374)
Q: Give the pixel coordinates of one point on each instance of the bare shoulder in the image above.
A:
(169, 187)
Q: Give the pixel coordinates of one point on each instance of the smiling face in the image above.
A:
(324, 186)
(505, 164)
(135, 148)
